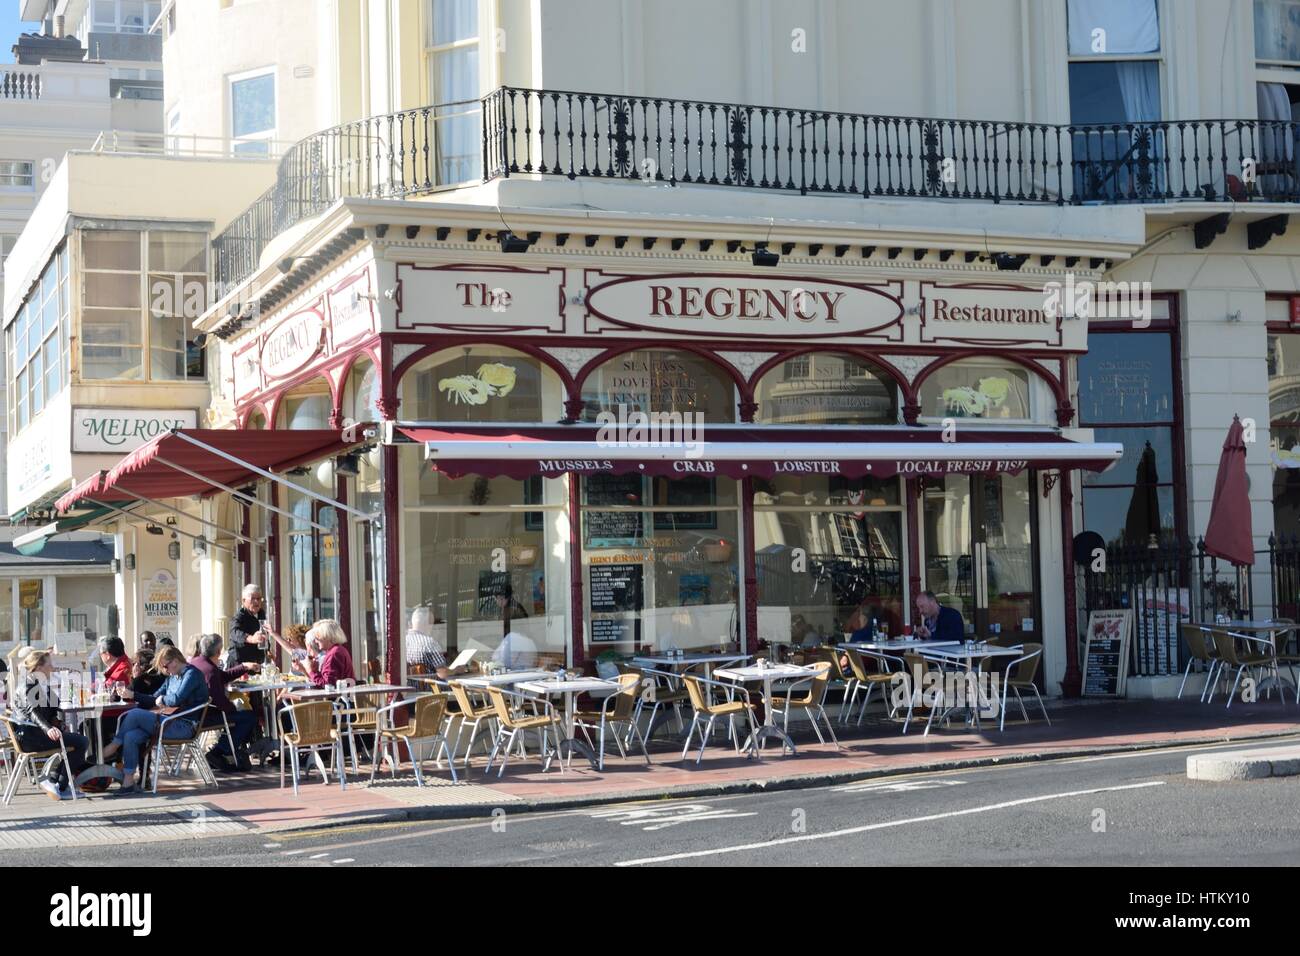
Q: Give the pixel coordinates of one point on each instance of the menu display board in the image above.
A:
(613, 528)
(615, 588)
(614, 630)
(1105, 656)
(1160, 618)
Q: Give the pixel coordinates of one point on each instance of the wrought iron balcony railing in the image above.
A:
(513, 132)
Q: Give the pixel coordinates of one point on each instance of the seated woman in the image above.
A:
(330, 661)
(183, 688)
(43, 725)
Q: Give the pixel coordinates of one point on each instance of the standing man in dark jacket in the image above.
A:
(241, 722)
(247, 642)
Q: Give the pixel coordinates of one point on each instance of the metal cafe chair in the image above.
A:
(707, 712)
(812, 703)
(622, 707)
(1239, 661)
(1203, 650)
(514, 721)
(185, 749)
(27, 759)
(471, 713)
(312, 729)
(1025, 669)
(863, 677)
(425, 724)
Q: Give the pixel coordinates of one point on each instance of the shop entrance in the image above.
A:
(980, 551)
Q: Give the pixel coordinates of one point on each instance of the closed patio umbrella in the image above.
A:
(1228, 534)
(1143, 518)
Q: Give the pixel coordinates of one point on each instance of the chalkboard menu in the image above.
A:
(615, 587)
(613, 528)
(1105, 656)
(622, 490)
(612, 630)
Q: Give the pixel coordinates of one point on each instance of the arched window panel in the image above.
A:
(362, 392)
(986, 389)
(307, 406)
(826, 388)
(659, 380)
(482, 383)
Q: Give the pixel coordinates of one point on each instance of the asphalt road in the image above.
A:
(1125, 810)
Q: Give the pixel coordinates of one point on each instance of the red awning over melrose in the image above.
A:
(158, 469)
(740, 451)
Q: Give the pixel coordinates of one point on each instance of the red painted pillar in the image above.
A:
(1072, 684)
(576, 603)
(344, 577)
(912, 493)
(392, 567)
(750, 569)
(273, 552)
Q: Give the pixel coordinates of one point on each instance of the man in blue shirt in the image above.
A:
(938, 623)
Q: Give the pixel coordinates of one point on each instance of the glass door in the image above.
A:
(979, 552)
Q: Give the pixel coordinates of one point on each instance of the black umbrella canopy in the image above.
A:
(1143, 518)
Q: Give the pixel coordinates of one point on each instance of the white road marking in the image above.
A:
(901, 786)
(317, 856)
(834, 834)
(662, 817)
(271, 846)
(346, 859)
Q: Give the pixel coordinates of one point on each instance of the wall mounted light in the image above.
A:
(130, 562)
(115, 565)
(174, 550)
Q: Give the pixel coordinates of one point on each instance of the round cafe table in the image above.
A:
(96, 713)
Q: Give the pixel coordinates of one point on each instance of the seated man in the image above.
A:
(516, 651)
(938, 623)
(117, 666)
(241, 722)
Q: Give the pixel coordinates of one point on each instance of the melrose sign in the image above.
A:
(118, 430)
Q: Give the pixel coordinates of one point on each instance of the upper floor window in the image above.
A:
(454, 84)
(17, 174)
(1277, 31)
(36, 344)
(140, 292)
(1114, 72)
(6, 247)
(252, 111)
(124, 16)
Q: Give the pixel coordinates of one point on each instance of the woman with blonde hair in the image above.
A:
(36, 708)
(183, 690)
(330, 661)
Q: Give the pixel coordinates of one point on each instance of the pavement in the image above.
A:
(254, 803)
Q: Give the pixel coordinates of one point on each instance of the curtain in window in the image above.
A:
(1139, 90)
(1277, 168)
(1131, 26)
(1277, 29)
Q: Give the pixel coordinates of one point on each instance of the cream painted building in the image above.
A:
(475, 182)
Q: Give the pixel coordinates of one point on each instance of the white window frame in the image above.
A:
(267, 135)
(1158, 56)
(13, 167)
(433, 51)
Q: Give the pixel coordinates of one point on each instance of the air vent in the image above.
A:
(303, 72)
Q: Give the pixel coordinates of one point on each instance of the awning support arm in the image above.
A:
(203, 521)
(131, 514)
(323, 499)
(243, 497)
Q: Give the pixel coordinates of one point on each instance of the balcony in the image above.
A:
(513, 132)
(19, 84)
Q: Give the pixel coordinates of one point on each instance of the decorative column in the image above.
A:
(912, 489)
(750, 561)
(344, 576)
(392, 567)
(575, 573)
(1072, 684)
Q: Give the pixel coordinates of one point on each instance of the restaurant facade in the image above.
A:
(623, 438)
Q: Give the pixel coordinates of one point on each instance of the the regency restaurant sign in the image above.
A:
(729, 305)
(118, 430)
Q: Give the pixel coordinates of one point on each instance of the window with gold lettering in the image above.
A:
(826, 388)
(660, 380)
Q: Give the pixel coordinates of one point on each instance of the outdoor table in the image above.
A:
(321, 693)
(97, 713)
(570, 689)
(905, 644)
(965, 655)
(708, 660)
(503, 680)
(270, 742)
(767, 674)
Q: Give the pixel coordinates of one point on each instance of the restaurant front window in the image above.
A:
(828, 553)
(660, 380)
(485, 566)
(1126, 395)
(980, 388)
(313, 530)
(826, 388)
(660, 563)
(481, 383)
(1284, 430)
